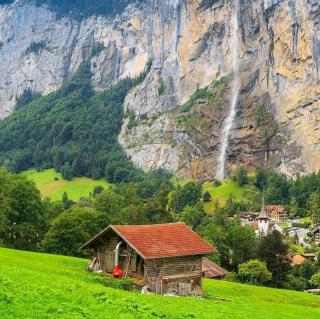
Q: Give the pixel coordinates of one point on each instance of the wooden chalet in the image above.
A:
(277, 213)
(316, 235)
(247, 218)
(166, 257)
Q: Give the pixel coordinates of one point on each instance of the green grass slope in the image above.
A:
(52, 185)
(46, 286)
(228, 188)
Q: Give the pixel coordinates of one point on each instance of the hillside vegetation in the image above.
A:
(47, 286)
(228, 189)
(73, 130)
(82, 8)
(51, 184)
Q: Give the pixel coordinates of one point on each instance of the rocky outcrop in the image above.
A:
(189, 43)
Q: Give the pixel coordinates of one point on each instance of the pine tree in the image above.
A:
(206, 197)
(274, 251)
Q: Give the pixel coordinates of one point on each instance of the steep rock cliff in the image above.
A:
(190, 45)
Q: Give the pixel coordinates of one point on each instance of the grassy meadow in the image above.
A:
(35, 285)
(51, 184)
(228, 188)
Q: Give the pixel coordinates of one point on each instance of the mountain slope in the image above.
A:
(74, 130)
(44, 286)
(192, 44)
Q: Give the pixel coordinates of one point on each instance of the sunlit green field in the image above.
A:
(51, 184)
(46, 286)
(228, 188)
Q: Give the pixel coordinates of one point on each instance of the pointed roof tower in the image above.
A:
(263, 214)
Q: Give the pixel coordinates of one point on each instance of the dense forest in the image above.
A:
(82, 8)
(74, 130)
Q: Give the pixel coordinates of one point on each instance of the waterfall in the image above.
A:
(234, 44)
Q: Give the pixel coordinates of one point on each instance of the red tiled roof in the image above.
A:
(276, 208)
(164, 240)
(160, 240)
(212, 270)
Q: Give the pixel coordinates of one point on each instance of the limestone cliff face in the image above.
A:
(189, 43)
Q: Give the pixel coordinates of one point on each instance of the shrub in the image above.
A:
(315, 280)
(67, 172)
(97, 190)
(254, 272)
(217, 183)
(305, 225)
(97, 48)
(242, 176)
(231, 276)
(206, 197)
(123, 284)
(162, 87)
(36, 47)
(132, 120)
(295, 283)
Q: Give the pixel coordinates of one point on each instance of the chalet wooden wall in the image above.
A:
(105, 253)
(174, 275)
(173, 265)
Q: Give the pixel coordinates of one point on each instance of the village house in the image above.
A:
(299, 259)
(247, 218)
(167, 258)
(274, 213)
(316, 235)
(277, 213)
(299, 234)
(263, 225)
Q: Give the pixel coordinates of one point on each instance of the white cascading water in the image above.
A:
(235, 89)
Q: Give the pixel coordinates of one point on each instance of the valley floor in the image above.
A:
(42, 286)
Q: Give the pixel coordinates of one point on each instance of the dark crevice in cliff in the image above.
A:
(73, 36)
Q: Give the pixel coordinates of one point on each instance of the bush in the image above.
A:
(67, 172)
(305, 225)
(217, 183)
(97, 190)
(162, 87)
(123, 284)
(242, 176)
(36, 47)
(295, 283)
(80, 9)
(206, 197)
(254, 272)
(315, 280)
(132, 120)
(231, 276)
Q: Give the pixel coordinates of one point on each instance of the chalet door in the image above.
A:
(109, 261)
(133, 263)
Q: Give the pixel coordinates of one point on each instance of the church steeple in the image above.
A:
(263, 219)
(263, 213)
